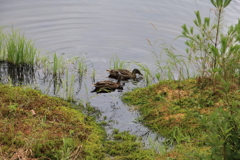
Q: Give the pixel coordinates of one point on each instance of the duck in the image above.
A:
(107, 86)
(126, 74)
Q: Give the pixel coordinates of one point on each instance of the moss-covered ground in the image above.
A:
(177, 110)
(36, 126)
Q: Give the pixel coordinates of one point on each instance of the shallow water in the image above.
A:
(97, 29)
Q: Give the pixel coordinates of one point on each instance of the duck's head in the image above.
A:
(136, 71)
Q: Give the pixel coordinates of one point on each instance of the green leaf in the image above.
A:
(185, 31)
(224, 41)
(199, 21)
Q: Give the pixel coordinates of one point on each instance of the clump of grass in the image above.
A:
(18, 50)
(18, 55)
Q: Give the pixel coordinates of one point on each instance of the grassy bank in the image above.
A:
(189, 115)
(196, 103)
(36, 126)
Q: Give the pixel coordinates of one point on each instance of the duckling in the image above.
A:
(126, 74)
(107, 86)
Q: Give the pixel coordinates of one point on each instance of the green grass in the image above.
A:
(38, 126)
(2, 41)
(177, 110)
(17, 49)
(82, 68)
(58, 65)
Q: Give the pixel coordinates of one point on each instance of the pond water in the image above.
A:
(97, 29)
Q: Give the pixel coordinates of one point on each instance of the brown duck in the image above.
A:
(107, 86)
(126, 74)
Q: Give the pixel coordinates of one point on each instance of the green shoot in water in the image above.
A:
(18, 49)
(116, 63)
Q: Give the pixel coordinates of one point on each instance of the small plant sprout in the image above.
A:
(116, 63)
(58, 65)
(82, 68)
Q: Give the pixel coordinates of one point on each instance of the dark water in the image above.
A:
(97, 29)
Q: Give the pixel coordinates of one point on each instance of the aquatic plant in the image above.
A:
(18, 49)
(58, 65)
(116, 63)
(82, 68)
(70, 89)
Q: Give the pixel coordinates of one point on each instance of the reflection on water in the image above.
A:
(22, 74)
(96, 29)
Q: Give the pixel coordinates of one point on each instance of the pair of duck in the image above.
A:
(119, 74)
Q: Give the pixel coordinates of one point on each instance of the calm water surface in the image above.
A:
(97, 29)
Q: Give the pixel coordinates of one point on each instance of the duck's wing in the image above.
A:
(113, 72)
(124, 72)
(104, 84)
